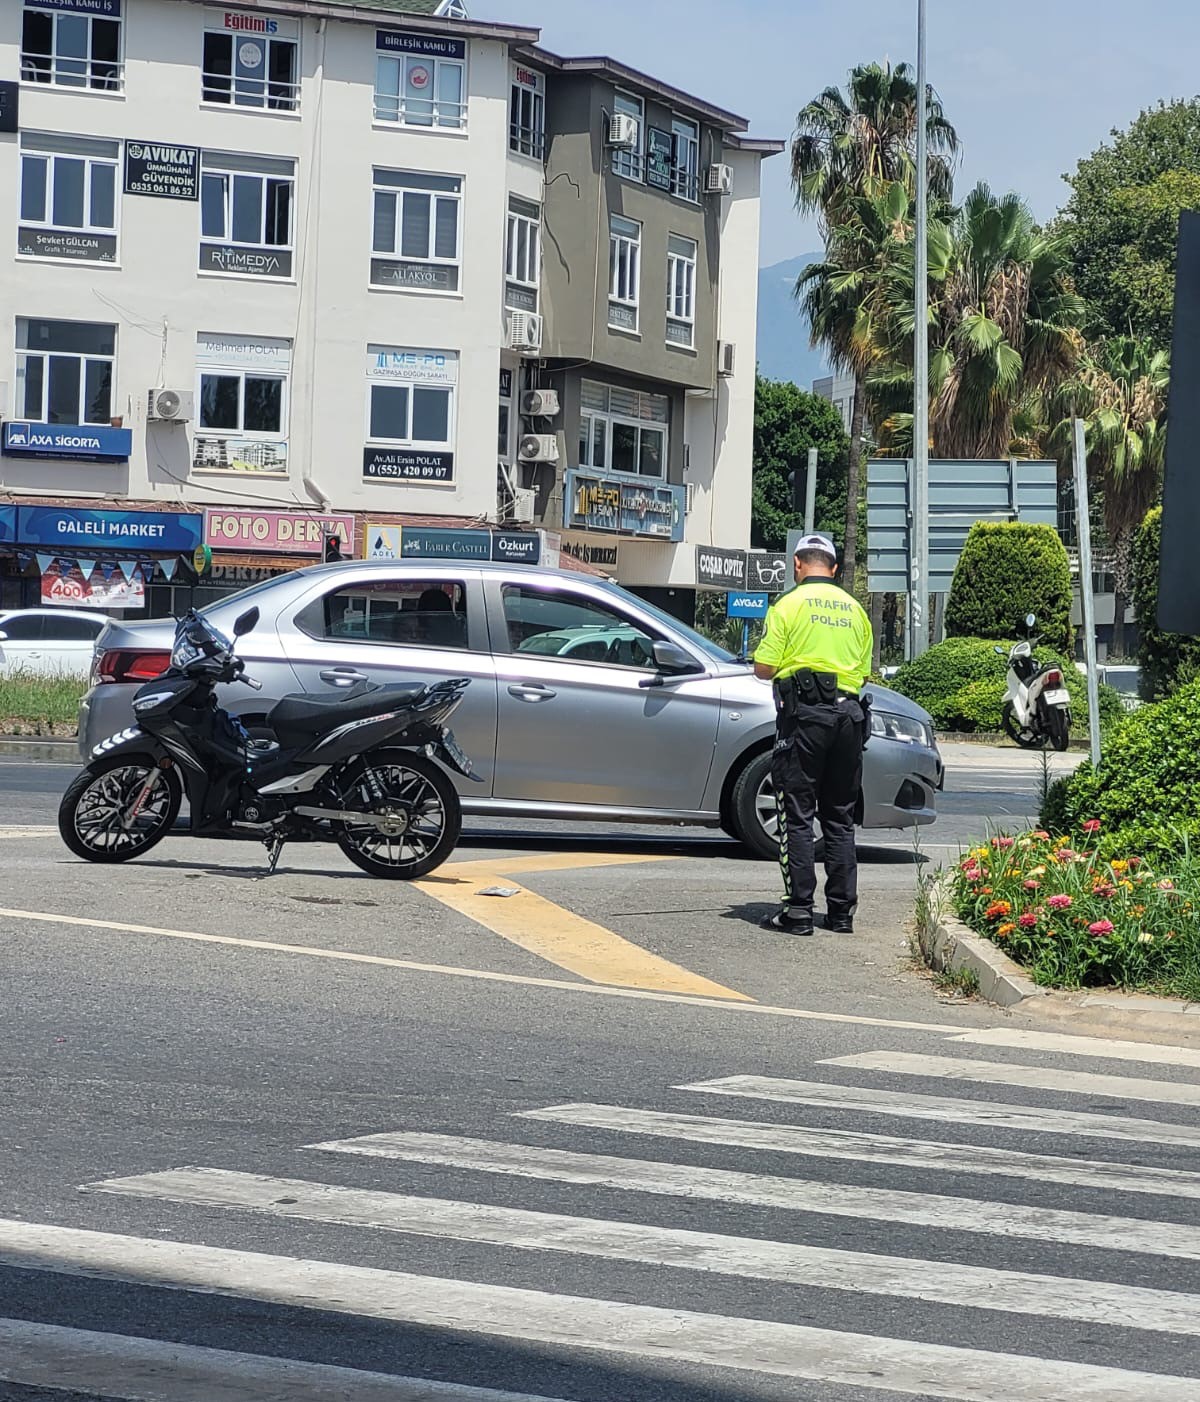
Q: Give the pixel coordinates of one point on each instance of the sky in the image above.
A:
(1031, 85)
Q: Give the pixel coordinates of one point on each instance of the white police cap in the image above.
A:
(817, 542)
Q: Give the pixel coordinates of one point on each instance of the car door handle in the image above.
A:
(531, 691)
(342, 676)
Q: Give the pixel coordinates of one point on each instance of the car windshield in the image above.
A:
(698, 640)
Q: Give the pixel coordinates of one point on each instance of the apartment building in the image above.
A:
(304, 267)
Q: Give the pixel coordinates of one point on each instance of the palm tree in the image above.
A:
(846, 147)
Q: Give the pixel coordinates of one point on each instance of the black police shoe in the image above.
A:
(840, 924)
(789, 924)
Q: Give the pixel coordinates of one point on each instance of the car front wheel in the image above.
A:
(754, 817)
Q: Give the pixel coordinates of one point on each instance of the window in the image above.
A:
(527, 113)
(73, 50)
(416, 235)
(68, 198)
(64, 628)
(410, 414)
(681, 291)
(405, 612)
(23, 628)
(420, 80)
(624, 272)
(246, 214)
(554, 623)
(523, 255)
(623, 430)
(251, 61)
(65, 371)
(628, 161)
(242, 404)
(685, 178)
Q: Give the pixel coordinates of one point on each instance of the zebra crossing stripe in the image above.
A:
(1030, 1077)
(658, 1335)
(150, 1370)
(1098, 1048)
(1013, 1292)
(951, 1110)
(876, 1148)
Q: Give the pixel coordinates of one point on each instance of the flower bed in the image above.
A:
(1075, 919)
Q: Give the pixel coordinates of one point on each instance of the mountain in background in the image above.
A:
(783, 349)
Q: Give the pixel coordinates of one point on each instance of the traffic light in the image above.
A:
(332, 549)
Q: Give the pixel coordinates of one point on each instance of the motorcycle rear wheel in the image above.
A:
(1059, 724)
(94, 812)
(425, 808)
(1027, 739)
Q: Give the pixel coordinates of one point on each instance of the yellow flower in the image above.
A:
(1119, 866)
(1036, 871)
(1145, 937)
(1125, 885)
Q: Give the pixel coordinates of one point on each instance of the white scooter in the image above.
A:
(1037, 706)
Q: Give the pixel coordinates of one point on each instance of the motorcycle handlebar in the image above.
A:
(251, 683)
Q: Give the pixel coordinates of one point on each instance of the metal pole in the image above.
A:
(919, 545)
(810, 494)
(745, 637)
(1083, 523)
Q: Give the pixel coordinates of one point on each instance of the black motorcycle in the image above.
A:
(356, 768)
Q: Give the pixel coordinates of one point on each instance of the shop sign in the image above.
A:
(660, 158)
(518, 298)
(425, 277)
(66, 528)
(106, 587)
(407, 465)
(102, 9)
(163, 171)
(768, 570)
(440, 543)
(517, 547)
(288, 532)
(245, 262)
(591, 552)
(80, 442)
(10, 105)
(241, 574)
(719, 568)
(8, 524)
(255, 24)
(381, 542)
(426, 367)
(56, 243)
(397, 41)
(226, 452)
(747, 605)
(634, 508)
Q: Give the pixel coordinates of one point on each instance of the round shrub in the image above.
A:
(1167, 659)
(978, 705)
(1006, 570)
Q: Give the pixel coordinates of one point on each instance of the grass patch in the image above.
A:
(39, 705)
(956, 983)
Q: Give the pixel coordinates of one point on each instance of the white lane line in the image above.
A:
(150, 1370)
(1103, 1049)
(1040, 1224)
(947, 1109)
(877, 1148)
(1013, 1292)
(571, 1322)
(1004, 1073)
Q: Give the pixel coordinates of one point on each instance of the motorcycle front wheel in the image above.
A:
(1026, 738)
(119, 808)
(417, 799)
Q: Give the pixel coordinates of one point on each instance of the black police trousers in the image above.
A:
(817, 772)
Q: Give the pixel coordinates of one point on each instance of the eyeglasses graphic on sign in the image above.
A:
(769, 573)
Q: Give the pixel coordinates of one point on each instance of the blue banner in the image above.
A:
(631, 506)
(747, 605)
(397, 41)
(127, 532)
(8, 524)
(106, 9)
(80, 442)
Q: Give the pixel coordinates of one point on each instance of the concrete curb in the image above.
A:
(50, 748)
(947, 943)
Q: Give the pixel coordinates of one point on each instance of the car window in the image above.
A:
(401, 612)
(557, 623)
(73, 630)
(22, 628)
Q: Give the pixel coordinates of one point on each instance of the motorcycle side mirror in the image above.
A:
(245, 623)
(999, 651)
(1031, 620)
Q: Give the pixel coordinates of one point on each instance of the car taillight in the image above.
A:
(1054, 677)
(128, 665)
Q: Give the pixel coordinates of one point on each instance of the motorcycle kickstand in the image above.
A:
(274, 846)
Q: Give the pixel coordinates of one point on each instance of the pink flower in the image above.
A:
(1032, 885)
(1092, 825)
(1064, 855)
(1101, 927)
(1040, 835)
(1166, 884)
(1059, 902)
(1028, 920)
(1003, 843)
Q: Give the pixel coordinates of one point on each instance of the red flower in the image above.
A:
(1092, 825)
(1061, 902)
(1003, 843)
(1101, 927)
(1040, 835)
(997, 909)
(1028, 920)
(1032, 885)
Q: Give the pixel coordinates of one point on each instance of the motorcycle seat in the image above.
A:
(303, 713)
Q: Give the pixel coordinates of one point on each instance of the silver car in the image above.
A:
(586, 703)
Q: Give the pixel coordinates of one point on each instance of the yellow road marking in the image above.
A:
(480, 975)
(543, 861)
(568, 940)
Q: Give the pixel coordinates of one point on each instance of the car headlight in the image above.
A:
(890, 726)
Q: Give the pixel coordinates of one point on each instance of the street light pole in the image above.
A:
(919, 542)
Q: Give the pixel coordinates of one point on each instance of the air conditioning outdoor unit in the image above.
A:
(170, 406)
(525, 332)
(622, 130)
(539, 403)
(726, 356)
(689, 497)
(538, 447)
(718, 180)
(523, 501)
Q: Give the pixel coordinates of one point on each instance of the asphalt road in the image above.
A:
(310, 1135)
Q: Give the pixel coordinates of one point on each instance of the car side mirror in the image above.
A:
(246, 622)
(671, 659)
(3, 637)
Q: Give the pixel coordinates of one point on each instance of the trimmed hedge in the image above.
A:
(1168, 660)
(1006, 570)
(1143, 793)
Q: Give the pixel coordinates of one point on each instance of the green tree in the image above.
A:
(1006, 570)
(1120, 221)
(848, 146)
(787, 422)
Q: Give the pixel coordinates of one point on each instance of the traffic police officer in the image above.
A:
(817, 651)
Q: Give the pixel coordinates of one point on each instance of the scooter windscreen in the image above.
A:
(196, 638)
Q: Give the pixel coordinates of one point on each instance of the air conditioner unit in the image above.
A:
(718, 180)
(523, 501)
(726, 356)
(689, 497)
(539, 403)
(170, 406)
(525, 332)
(623, 130)
(538, 447)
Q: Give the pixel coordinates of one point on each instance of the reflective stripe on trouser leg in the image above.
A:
(785, 866)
